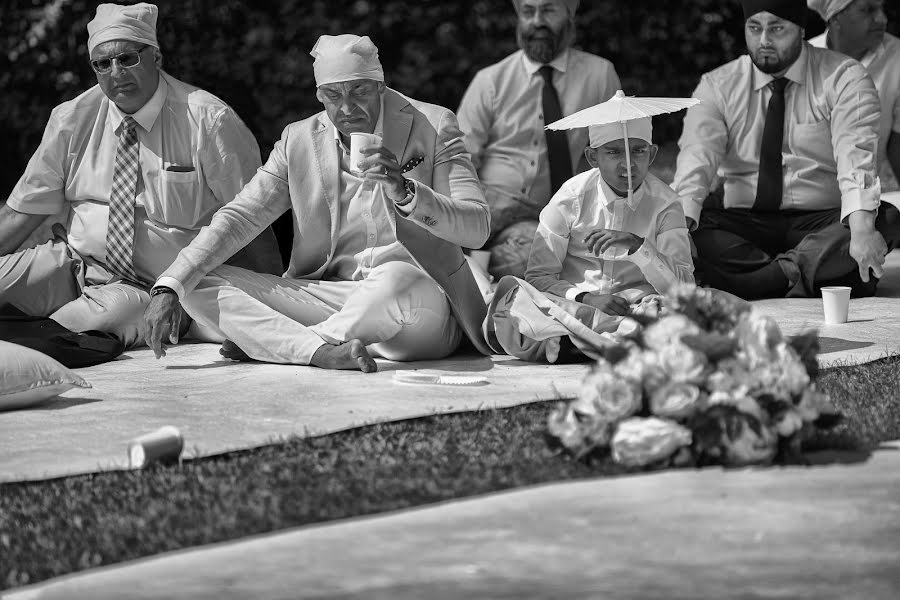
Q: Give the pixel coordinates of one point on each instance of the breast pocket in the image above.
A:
(813, 140)
(179, 199)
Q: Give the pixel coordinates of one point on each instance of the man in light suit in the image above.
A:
(376, 267)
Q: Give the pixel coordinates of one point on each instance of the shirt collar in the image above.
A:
(608, 196)
(796, 73)
(379, 127)
(559, 63)
(147, 114)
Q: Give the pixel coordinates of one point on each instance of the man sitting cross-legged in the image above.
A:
(599, 252)
(138, 163)
(376, 266)
(793, 131)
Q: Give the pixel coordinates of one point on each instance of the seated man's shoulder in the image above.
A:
(731, 72)
(593, 62)
(196, 98)
(504, 65)
(833, 65)
(433, 113)
(660, 191)
(85, 104)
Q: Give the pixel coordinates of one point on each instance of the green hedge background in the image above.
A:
(255, 55)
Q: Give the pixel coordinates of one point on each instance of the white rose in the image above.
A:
(668, 331)
(613, 397)
(638, 442)
(681, 363)
(675, 400)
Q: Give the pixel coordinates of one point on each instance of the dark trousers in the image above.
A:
(810, 247)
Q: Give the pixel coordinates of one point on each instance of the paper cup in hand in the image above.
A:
(835, 303)
(163, 445)
(358, 143)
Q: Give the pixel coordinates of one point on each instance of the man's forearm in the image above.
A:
(861, 221)
(15, 227)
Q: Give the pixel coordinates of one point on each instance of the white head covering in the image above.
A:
(136, 23)
(641, 129)
(828, 8)
(571, 5)
(345, 58)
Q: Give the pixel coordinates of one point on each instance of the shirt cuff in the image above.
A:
(859, 198)
(172, 283)
(407, 209)
(572, 292)
(643, 255)
(692, 209)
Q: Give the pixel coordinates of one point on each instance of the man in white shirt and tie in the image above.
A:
(139, 163)
(503, 114)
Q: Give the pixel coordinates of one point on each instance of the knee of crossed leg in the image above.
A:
(113, 308)
(399, 276)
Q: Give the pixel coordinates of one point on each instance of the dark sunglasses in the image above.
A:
(126, 60)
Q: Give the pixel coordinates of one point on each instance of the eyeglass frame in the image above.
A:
(117, 58)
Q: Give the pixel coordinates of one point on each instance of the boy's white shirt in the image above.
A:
(560, 263)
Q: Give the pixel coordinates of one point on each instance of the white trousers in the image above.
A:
(50, 280)
(398, 312)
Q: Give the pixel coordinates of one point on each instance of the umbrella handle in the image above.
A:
(627, 159)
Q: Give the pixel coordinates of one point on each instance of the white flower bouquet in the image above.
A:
(707, 381)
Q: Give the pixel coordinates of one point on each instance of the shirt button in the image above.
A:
(372, 236)
(535, 142)
(541, 117)
(532, 163)
(366, 215)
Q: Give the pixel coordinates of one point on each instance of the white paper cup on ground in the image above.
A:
(163, 445)
(835, 303)
(358, 143)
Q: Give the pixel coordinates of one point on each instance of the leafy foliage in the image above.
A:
(255, 55)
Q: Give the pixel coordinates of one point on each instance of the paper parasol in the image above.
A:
(621, 108)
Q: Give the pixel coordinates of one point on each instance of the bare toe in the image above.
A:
(361, 355)
(231, 350)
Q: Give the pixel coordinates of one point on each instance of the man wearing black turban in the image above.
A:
(792, 130)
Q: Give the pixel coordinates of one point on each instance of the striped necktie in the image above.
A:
(120, 230)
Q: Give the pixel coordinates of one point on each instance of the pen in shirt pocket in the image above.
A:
(180, 168)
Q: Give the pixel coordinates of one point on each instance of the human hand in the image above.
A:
(869, 250)
(161, 321)
(600, 240)
(381, 166)
(607, 303)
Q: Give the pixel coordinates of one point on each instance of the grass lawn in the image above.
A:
(54, 527)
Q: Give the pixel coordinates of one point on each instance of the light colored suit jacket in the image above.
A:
(302, 173)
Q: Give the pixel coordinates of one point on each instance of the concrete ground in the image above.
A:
(826, 531)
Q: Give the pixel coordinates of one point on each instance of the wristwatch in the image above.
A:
(161, 289)
(410, 192)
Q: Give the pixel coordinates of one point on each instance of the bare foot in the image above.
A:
(231, 350)
(349, 355)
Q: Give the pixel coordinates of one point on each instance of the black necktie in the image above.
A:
(557, 144)
(771, 174)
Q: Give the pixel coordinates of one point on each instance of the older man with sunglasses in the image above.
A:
(137, 164)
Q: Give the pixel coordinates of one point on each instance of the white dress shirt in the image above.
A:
(830, 135)
(883, 65)
(195, 156)
(502, 117)
(562, 264)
